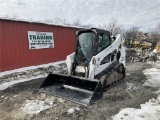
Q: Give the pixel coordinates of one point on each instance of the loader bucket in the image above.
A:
(76, 89)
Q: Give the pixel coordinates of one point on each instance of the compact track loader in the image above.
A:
(96, 64)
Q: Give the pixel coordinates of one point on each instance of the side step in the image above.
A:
(80, 90)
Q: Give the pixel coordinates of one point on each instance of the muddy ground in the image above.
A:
(129, 93)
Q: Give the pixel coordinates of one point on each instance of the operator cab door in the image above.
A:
(104, 41)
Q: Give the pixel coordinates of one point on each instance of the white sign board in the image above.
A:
(39, 40)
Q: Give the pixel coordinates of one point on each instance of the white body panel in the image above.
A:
(123, 56)
(69, 62)
(96, 68)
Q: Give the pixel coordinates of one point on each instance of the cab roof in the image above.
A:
(95, 30)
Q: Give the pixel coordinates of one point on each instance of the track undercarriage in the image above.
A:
(112, 75)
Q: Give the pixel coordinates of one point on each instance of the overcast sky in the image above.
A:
(144, 14)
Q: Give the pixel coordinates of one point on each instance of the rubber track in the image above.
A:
(113, 67)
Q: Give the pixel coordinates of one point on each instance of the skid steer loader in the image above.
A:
(96, 64)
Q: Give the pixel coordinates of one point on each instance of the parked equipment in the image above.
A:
(131, 43)
(96, 64)
(148, 49)
(147, 44)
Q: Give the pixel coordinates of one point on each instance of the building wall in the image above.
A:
(14, 45)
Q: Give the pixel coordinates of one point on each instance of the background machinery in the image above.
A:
(148, 49)
(147, 44)
(131, 43)
(96, 64)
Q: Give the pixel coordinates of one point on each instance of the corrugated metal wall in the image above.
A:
(14, 45)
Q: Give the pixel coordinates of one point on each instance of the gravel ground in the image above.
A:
(24, 101)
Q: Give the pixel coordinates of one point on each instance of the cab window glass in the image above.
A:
(103, 42)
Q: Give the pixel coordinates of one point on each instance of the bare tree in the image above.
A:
(158, 27)
(117, 30)
(112, 26)
(100, 27)
(155, 33)
(77, 23)
(132, 33)
(65, 22)
(57, 21)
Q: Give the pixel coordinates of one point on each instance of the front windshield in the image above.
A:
(85, 47)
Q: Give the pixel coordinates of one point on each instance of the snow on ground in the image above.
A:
(131, 87)
(5, 85)
(36, 106)
(9, 78)
(148, 111)
(153, 77)
(157, 64)
(29, 68)
(73, 110)
(151, 109)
